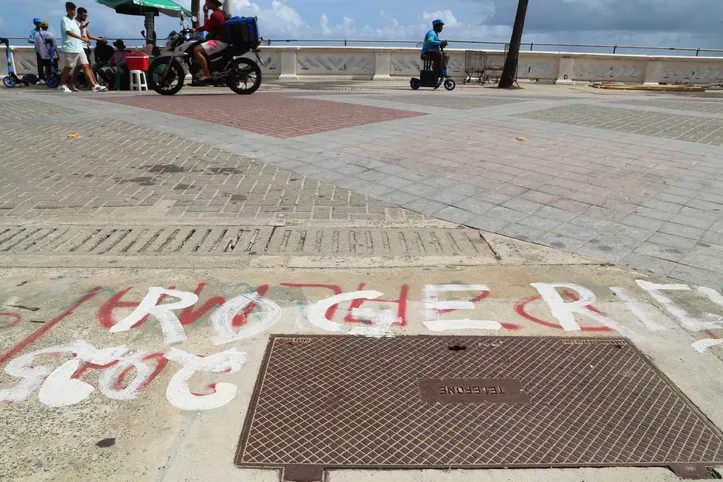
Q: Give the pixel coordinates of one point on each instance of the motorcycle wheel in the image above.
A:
(245, 79)
(9, 82)
(415, 84)
(174, 80)
(53, 81)
(450, 84)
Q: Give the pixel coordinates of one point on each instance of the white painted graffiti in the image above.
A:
(125, 374)
(58, 387)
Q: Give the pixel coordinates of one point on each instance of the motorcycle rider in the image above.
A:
(432, 47)
(216, 38)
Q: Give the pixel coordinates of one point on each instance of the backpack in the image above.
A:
(243, 34)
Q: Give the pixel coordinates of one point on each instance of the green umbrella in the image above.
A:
(146, 7)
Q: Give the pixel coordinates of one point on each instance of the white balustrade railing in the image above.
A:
(387, 63)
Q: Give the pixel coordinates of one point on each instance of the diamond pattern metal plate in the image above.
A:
(350, 402)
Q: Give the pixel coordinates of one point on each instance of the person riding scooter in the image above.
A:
(431, 50)
(216, 38)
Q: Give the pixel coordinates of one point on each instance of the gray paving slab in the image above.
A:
(629, 182)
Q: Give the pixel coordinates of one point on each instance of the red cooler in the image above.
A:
(137, 61)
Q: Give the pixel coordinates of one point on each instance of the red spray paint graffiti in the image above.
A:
(15, 319)
(521, 309)
(47, 326)
(187, 317)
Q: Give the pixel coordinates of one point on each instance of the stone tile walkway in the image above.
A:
(118, 170)
(274, 115)
(626, 178)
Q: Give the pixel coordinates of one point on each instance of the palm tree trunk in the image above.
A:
(513, 54)
(196, 11)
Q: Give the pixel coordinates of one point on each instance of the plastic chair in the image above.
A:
(138, 80)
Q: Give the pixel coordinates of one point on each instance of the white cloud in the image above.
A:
(389, 28)
(343, 30)
(445, 15)
(278, 20)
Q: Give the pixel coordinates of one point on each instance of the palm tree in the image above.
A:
(508, 74)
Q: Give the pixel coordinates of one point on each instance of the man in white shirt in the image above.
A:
(42, 38)
(73, 54)
(81, 19)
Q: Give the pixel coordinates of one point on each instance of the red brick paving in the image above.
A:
(277, 115)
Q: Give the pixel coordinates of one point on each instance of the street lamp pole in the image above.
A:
(508, 77)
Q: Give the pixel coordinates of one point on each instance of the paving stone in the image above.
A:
(506, 214)
(448, 197)
(712, 237)
(425, 206)
(418, 189)
(682, 230)
(577, 232)
(691, 221)
(523, 206)
(375, 190)
(697, 276)
(590, 222)
(474, 205)
(520, 231)
(542, 224)
(398, 197)
(454, 215)
(560, 241)
(647, 263)
(550, 212)
(673, 241)
(493, 197)
(653, 213)
(539, 197)
(486, 223)
(641, 222)
(439, 182)
(705, 258)
(660, 251)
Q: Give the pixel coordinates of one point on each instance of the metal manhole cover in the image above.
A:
(468, 402)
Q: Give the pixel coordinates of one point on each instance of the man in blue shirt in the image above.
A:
(31, 40)
(432, 46)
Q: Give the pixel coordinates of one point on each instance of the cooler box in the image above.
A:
(137, 61)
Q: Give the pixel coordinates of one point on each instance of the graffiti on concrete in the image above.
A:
(125, 374)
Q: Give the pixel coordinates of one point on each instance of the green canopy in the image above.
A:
(146, 7)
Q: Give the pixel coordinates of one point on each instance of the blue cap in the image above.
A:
(37, 20)
(438, 22)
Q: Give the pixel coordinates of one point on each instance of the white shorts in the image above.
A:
(213, 47)
(73, 60)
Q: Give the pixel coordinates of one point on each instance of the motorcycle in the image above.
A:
(168, 73)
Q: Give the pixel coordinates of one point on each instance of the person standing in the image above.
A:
(31, 40)
(73, 54)
(42, 39)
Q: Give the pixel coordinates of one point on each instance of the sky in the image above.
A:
(665, 23)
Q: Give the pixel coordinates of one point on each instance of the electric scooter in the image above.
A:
(429, 77)
(11, 80)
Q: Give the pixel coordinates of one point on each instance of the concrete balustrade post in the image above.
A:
(382, 66)
(653, 70)
(566, 70)
(288, 65)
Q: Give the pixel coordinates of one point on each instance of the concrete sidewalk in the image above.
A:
(623, 177)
